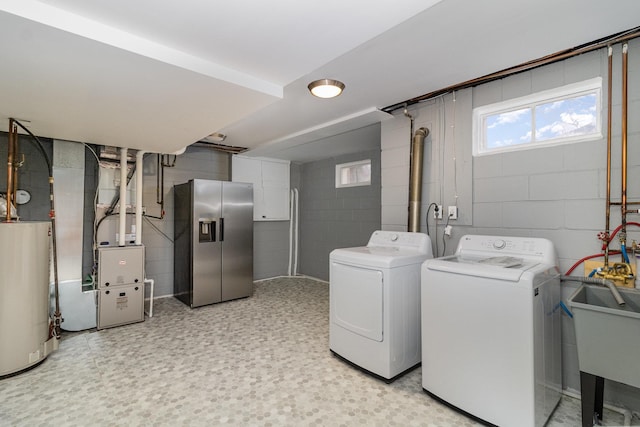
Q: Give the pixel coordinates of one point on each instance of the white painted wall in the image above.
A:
(447, 168)
(556, 193)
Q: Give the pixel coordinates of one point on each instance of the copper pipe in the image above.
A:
(415, 183)
(623, 206)
(57, 316)
(628, 203)
(549, 59)
(609, 115)
(13, 132)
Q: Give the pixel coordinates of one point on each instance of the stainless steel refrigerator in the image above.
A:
(213, 241)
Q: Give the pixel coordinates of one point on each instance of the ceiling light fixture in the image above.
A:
(215, 137)
(326, 88)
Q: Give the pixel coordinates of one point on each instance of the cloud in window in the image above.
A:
(569, 124)
(508, 118)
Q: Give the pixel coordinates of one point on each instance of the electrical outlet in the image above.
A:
(437, 212)
(453, 212)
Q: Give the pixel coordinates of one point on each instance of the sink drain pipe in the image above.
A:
(415, 180)
(597, 281)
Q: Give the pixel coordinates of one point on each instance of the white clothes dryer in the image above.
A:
(491, 328)
(375, 303)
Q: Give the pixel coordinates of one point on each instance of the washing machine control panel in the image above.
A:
(499, 244)
(525, 247)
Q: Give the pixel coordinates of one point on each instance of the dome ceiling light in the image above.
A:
(214, 137)
(326, 88)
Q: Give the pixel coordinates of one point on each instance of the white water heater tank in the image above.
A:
(24, 296)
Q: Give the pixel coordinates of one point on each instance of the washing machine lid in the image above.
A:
(378, 256)
(505, 268)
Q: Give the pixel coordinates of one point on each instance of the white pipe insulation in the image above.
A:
(123, 197)
(139, 177)
(294, 214)
(295, 230)
(291, 195)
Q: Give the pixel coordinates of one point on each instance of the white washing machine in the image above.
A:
(491, 329)
(375, 302)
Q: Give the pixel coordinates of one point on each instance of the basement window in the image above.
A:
(353, 174)
(567, 114)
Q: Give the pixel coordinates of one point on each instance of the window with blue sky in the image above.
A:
(571, 113)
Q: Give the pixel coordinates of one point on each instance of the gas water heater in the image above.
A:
(24, 296)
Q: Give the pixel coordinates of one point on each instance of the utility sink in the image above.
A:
(607, 334)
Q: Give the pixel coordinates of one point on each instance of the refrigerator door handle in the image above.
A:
(222, 229)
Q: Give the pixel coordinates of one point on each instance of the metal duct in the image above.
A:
(68, 165)
(415, 180)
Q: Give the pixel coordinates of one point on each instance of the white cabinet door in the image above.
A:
(270, 179)
(275, 190)
(245, 169)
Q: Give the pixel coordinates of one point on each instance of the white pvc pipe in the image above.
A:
(290, 232)
(151, 283)
(123, 197)
(139, 177)
(297, 226)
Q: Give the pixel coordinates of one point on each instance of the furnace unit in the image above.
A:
(120, 286)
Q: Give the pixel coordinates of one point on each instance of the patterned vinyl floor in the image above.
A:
(259, 361)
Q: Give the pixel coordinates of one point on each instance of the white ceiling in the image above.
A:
(159, 76)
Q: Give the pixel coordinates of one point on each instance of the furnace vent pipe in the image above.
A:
(123, 197)
(415, 180)
(139, 176)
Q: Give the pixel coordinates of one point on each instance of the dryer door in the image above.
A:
(356, 299)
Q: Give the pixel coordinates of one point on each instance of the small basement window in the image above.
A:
(571, 113)
(353, 174)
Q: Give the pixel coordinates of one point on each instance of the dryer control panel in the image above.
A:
(401, 240)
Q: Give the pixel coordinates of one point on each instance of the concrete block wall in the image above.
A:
(447, 172)
(556, 193)
(333, 217)
(270, 249)
(195, 163)
(90, 184)
(271, 239)
(32, 176)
